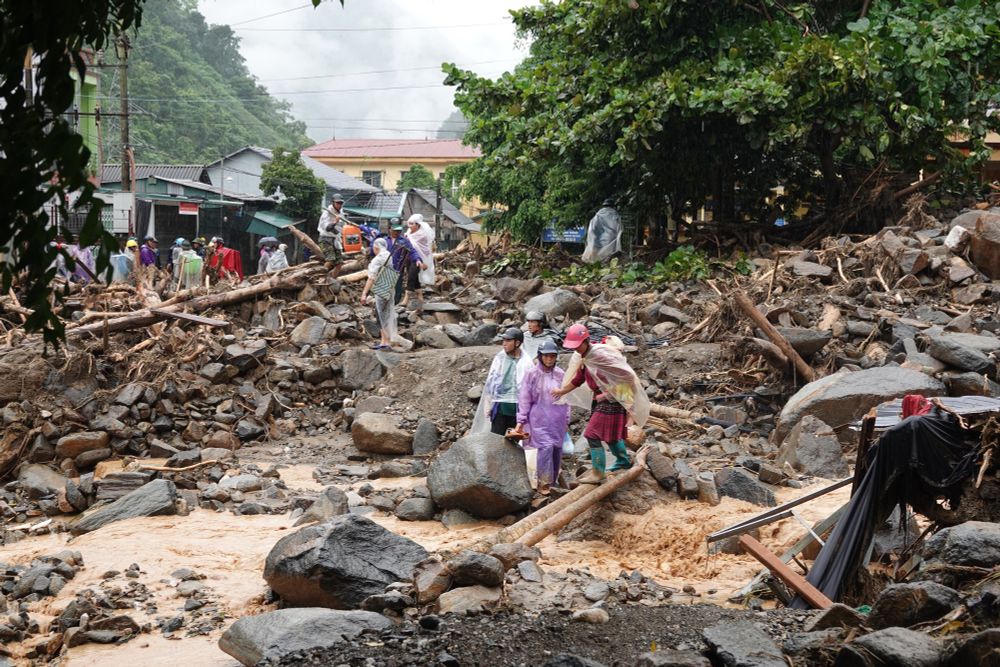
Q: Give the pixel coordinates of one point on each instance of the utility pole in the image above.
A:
(29, 77)
(123, 84)
(437, 213)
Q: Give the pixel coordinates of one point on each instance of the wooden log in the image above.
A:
(674, 413)
(809, 593)
(306, 240)
(747, 306)
(513, 532)
(146, 317)
(575, 509)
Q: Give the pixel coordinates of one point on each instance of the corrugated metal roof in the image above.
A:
(112, 173)
(447, 208)
(393, 148)
(198, 185)
(335, 178)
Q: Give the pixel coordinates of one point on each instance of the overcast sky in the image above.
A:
(389, 72)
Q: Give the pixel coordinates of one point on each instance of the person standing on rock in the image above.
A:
(331, 234)
(607, 384)
(546, 420)
(536, 334)
(497, 411)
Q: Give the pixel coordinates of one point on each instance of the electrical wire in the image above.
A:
(267, 16)
(390, 29)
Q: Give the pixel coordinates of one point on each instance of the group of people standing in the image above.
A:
(527, 397)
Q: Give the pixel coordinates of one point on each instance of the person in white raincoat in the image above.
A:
(604, 234)
(421, 237)
(278, 259)
(601, 379)
(497, 409)
(188, 267)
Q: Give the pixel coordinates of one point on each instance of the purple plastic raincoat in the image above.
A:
(539, 414)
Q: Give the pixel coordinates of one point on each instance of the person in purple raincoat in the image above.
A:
(546, 421)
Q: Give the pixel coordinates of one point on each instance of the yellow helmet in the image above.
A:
(132, 243)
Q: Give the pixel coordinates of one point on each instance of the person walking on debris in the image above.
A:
(537, 333)
(149, 254)
(421, 272)
(546, 420)
(402, 254)
(198, 245)
(497, 410)
(266, 246)
(385, 309)
(606, 382)
(604, 234)
(331, 234)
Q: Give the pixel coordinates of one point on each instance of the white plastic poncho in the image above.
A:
(188, 266)
(122, 265)
(278, 259)
(604, 235)
(608, 367)
(532, 342)
(493, 387)
(422, 241)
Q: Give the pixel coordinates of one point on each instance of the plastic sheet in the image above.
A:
(491, 388)
(614, 376)
(122, 265)
(422, 241)
(604, 235)
(278, 259)
(189, 266)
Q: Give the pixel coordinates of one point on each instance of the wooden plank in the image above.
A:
(809, 593)
(189, 317)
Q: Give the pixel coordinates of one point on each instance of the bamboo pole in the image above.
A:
(575, 509)
(804, 369)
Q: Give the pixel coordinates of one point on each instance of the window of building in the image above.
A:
(373, 178)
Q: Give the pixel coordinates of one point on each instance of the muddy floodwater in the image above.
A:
(666, 543)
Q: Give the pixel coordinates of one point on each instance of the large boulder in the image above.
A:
(813, 448)
(151, 499)
(379, 434)
(961, 356)
(984, 246)
(841, 398)
(72, 445)
(39, 481)
(339, 563)
(739, 484)
(309, 331)
(973, 543)
(742, 643)
(483, 474)
(892, 647)
(271, 636)
(556, 303)
(361, 369)
(512, 290)
(911, 603)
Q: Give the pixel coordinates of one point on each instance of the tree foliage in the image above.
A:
(192, 94)
(302, 190)
(417, 176)
(669, 101)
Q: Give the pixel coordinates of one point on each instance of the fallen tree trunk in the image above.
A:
(675, 413)
(559, 520)
(146, 317)
(747, 306)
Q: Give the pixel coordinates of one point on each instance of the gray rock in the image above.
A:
(376, 404)
(594, 615)
(483, 474)
(72, 445)
(471, 568)
(742, 644)
(596, 591)
(814, 648)
(92, 458)
(975, 543)
(970, 384)
(379, 434)
(512, 290)
(985, 344)
(246, 355)
(841, 398)
(907, 604)
(244, 483)
(512, 553)
(39, 481)
(339, 563)
(468, 599)
(984, 245)
(813, 448)
(662, 469)
(248, 429)
(571, 660)
(436, 338)
(530, 571)
(891, 647)
(810, 270)
(670, 658)
(317, 374)
(456, 518)
(739, 484)
(394, 600)
(152, 499)
(557, 303)
(309, 331)
(425, 437)
(981, 649)
(130, 394)
(361, 369)
(332, 502)
(271, 636)
(481, 335)
(836, 616)
(415, 509)
(806, 342)
(952, 352)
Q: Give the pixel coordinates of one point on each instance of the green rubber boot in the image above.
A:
(597, 462)
(622, 460)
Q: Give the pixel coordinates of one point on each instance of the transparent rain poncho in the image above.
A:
(188, 268)
(608, 367)
(122, 265)
(422, 241)
(604, 236)
(493, 391)
(278, 259)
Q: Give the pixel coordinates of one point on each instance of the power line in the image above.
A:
(267, 16)
(392, 29)
(381, 71)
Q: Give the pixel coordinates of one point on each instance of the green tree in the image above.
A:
(302, 190)
(418, 176)
(667, 103)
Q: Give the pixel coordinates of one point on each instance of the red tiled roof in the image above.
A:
(404, 148)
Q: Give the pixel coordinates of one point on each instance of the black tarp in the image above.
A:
(925, 455)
